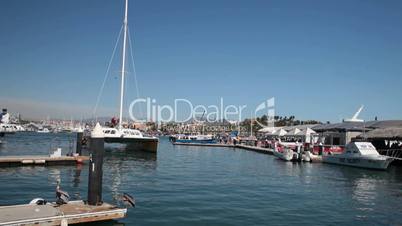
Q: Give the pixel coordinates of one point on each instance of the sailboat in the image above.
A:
(134, 139)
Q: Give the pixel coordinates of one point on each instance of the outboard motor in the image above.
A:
(38, 201)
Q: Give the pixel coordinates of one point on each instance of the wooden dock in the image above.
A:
(51, 214)
(241, 146)
(43, 160)
(204, 145)
(256, 149)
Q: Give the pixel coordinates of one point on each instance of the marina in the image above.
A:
(215, 113)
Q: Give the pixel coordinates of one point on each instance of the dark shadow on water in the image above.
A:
(103, 223)
(352, 173)
(124, 153)
(76, 175)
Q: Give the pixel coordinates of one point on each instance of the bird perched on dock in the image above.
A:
(128, 200)
(62, 196)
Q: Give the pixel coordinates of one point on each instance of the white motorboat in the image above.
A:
(310, 157)
(286, 154)
(198, 139)
(7, 128)
(43, 130)
(359, 154)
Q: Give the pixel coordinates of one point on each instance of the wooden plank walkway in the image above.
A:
(40, 160)
(241, 146)
(256, 149)
(50, 214)
(204, 145)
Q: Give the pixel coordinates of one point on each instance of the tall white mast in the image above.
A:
(123, 66)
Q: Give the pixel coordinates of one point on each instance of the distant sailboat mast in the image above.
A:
(123, 65)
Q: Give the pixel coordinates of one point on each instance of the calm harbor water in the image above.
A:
(211, 186)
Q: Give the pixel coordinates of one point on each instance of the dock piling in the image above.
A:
(95, 166)
(78, 146)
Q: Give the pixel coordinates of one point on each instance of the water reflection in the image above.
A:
(76, 175)
(54, 175)
(121, 164)
(124, 153)
(364, 187)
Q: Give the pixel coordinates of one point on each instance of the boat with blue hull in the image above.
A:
(193, 139)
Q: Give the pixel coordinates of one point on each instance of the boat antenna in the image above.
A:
(123, 65)
(202, 117)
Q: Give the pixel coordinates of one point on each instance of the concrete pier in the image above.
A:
(204, 145)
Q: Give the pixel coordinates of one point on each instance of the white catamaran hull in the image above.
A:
(134, 139)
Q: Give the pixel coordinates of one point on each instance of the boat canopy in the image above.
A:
(280, 132)
(306, 132)
(268, 130)
(364, 148)
(293, 132)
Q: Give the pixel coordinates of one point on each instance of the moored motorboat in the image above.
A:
(285, 153)
(310, 157)
(195, 139)
(359, 154)
(43, 130)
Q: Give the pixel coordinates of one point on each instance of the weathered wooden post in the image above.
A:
(78, 147)
(95, 166)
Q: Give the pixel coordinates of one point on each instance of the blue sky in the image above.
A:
(319, 59)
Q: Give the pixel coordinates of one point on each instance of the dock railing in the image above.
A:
(395, 153)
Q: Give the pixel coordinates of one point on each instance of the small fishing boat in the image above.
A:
(43, 130)
(310, 157)
(359, 154)
(8, 128)
(195, 139)
(286, 154)
(283, 153)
